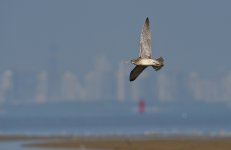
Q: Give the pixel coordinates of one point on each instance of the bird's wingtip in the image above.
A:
(132, 80)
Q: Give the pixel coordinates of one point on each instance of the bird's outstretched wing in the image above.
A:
(145, 41)
(136, 72)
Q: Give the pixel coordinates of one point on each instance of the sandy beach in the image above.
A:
(125, 143)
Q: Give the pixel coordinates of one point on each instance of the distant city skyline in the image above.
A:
(102, 84)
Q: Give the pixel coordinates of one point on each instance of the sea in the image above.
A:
(113, 118)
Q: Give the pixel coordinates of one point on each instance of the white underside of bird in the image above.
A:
(146, 62)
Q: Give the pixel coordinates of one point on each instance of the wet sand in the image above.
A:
(127, 143)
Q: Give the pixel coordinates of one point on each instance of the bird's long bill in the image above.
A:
(136, 72)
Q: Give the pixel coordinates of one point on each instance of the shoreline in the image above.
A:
(123, 142)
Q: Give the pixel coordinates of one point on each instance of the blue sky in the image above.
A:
(190, 35)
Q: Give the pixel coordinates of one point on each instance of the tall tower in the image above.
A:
(5, 86)
(41, 88)
(53, 74)
(121, 82)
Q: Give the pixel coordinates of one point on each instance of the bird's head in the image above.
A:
(133, 61)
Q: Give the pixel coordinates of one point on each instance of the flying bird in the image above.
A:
(145, 55)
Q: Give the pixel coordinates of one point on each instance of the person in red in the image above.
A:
(141, 106)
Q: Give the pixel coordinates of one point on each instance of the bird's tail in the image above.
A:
(160, 59)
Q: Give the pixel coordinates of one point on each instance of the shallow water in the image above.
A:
(9, 145)
(130, 125)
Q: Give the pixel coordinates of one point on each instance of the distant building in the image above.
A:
(23, 86)
(42, 87)
(121, 77)
(5, 85)
(69, 87)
